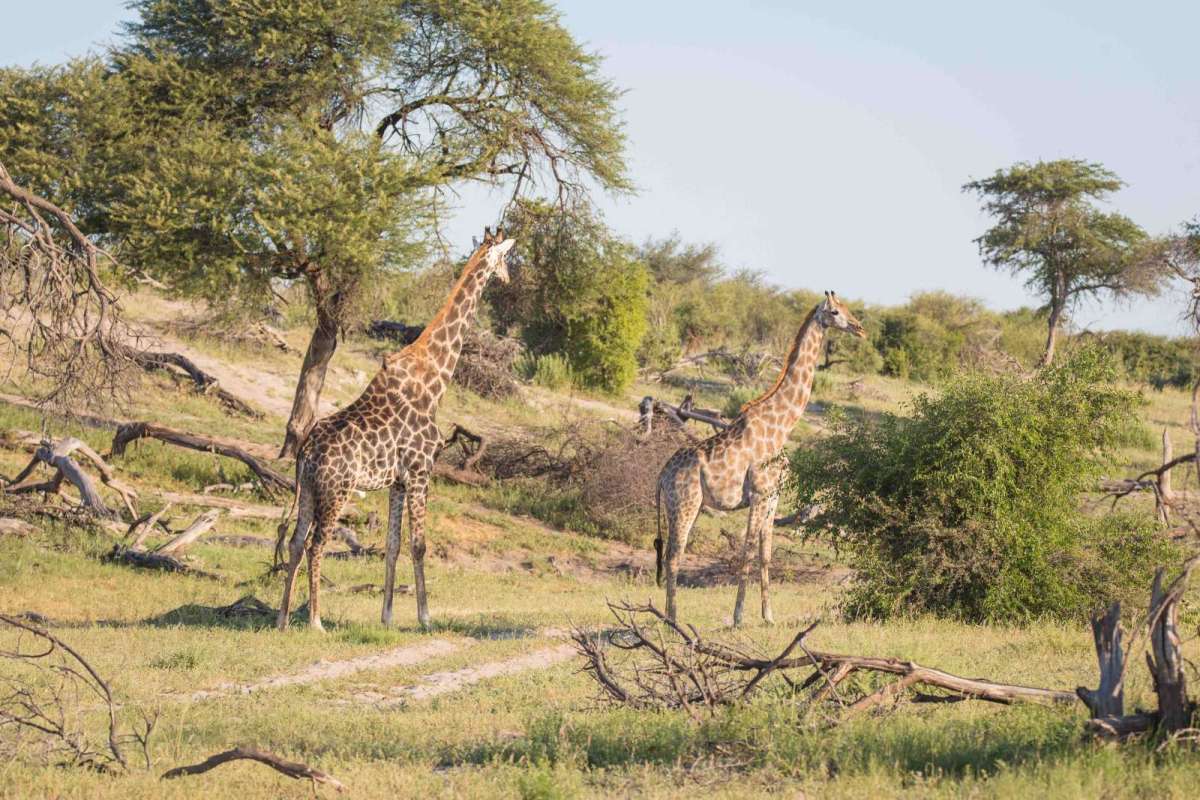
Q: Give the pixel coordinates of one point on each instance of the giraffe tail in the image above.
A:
(658, 541)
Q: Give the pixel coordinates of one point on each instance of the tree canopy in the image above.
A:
(224, 147)
(1049, 230)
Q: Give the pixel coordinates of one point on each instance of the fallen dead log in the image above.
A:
(140, 528)
(473, 446)
(203, 382)
(236, 508)
(292, 769)
(678, 414)
(58, 456)
(671, 665)
(146, 560)
(200, 526)
(132, 431)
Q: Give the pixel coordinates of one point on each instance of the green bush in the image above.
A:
(969, 507)
(550, 370)
(576, 290)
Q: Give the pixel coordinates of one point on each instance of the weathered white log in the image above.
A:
(1109, 699)
(140, 529)
(1164, 659)
(201, 525)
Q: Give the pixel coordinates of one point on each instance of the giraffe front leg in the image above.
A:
(743, 568)
(766, 535)
(395, 518)
(315, 550)
(417, 493)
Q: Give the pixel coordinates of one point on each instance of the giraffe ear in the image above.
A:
(487, 235)
(499, 234)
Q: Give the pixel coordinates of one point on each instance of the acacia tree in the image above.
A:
(1049, 230)
(247, 143)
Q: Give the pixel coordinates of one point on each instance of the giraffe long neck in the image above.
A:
(789, 396)
(442, 340)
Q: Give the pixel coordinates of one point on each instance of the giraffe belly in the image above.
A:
(725, 495)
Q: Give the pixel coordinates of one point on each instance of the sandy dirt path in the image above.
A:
(442, 683)
(403, 656)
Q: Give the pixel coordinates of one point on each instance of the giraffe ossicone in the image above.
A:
(387, 438)
(743, 464)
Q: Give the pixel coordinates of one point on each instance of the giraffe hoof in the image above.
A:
(316, 625)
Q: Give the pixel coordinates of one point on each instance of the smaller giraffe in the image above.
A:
(742, 465)
(387, 437)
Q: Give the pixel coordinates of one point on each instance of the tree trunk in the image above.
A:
(1058, 300)
(1051, 335)
(312, 380)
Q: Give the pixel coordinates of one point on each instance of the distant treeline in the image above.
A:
(696, 306)
(561, 295)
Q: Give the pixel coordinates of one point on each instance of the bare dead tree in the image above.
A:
(48, 693)
(1163, 659)
(58, 317)
(58, 456)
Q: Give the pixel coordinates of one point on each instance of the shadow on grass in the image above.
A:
(785, 739)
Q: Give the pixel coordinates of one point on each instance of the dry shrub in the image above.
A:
(617, 482)
(485, 365)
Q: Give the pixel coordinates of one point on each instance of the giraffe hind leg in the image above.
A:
(324, 524)
(682, 510)
(295, 555)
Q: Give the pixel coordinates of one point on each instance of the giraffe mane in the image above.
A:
(422, 341)
(788, 362)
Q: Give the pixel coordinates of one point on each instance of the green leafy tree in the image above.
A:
(1049, 230)
(575, 290)
(969, 506)
(245, 143)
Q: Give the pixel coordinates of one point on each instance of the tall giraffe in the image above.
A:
(387, 437)
(742, 465)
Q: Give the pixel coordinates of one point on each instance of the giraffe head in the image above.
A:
(833, 313)
(495, 251)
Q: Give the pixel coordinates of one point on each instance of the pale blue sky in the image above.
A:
(825, 143)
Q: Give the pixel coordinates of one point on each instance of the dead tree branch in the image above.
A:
(292, 769)
(203, 382)
(669, 665)
(47, 692)
(60, 318)
(132, 431)
(58, 456)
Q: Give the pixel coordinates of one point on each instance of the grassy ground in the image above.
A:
(504, 588)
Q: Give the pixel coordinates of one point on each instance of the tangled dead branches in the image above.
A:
(59, 318)
(664, 664)
(46, 695)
